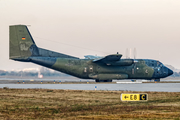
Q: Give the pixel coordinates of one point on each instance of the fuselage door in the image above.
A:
(133, 71)
(134, 68)
(85, 70)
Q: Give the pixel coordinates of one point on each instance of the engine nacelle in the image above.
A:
(123, 62)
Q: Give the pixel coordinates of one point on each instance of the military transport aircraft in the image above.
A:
(101, 69)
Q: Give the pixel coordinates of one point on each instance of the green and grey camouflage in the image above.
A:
(102, 69)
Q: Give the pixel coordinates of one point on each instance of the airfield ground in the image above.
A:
(79, 104)
(69, 82)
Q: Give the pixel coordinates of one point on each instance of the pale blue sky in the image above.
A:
(152, 26)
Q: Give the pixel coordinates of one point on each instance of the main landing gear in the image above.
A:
(103, 80)
(157, 80)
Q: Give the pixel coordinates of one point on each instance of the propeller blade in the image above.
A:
(135, 54)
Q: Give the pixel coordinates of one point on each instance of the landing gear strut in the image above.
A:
(103, 80)
(157, 80)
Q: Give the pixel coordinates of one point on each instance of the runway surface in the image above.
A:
(159, 87)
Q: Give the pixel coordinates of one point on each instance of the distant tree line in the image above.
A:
(176, 74)
(33, 74)
(47, 73)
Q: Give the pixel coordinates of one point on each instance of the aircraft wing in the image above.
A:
(108, 59)
(91, 57)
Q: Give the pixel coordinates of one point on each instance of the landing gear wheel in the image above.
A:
(157, 80)
(103, 80)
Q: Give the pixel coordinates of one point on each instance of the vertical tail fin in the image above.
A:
(21, 43)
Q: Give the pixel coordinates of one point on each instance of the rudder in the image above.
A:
(21, 42)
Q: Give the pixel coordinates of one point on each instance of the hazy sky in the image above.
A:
(101, 26)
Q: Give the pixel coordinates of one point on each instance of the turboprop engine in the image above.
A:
(122, 62)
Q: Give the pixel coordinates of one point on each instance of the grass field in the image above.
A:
(79, 104)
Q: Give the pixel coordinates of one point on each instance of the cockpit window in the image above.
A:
(153, 63)
(159, 64)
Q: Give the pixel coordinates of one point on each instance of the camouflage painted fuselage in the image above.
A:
(23, 48)
(86, 69)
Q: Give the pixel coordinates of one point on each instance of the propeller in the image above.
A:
(128, 56)
(127, 53)
(135, 61)
(135, 54)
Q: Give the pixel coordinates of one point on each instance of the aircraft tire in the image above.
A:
(157, 80)
(103, 80)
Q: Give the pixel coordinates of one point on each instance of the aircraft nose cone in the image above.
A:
(170, 72)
